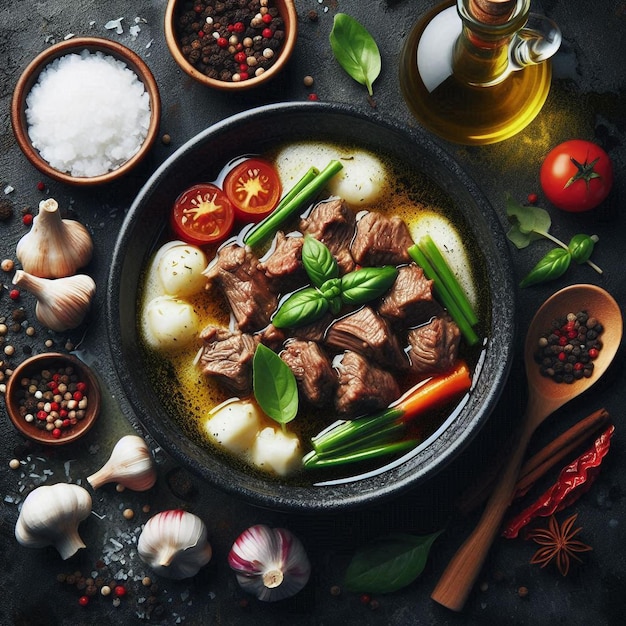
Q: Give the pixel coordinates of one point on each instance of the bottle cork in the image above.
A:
(492, 11)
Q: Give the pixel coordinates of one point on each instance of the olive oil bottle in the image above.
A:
(477, 72)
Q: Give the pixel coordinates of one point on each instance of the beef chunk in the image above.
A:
(312, 369)
(283, 267)
(332, 222)
(434, 346)
(247, 289)
(227, 356)
(363, 387)
(368, 334)
(410, 300)
(381, 240)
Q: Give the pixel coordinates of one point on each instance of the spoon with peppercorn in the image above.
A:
(582, 322)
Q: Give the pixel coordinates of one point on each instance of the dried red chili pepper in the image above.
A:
(573, 481)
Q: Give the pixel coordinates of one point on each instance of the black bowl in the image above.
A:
(258, 130)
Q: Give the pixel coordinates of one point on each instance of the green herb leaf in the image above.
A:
(581, 247)
(300, 308)
(553, 265)
(275, 387)
(318, 261)
(356, 50)
(367, 283)
(529, 223)
(389, 564)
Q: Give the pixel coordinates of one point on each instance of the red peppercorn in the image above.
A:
(56, 433)
(533, 198)
(267, 33)
(41, 415)
(244, 75)
(267, 18)
(66, 423)
(54, 406)
(41, 186)
(119, 591)
(14, 294)
(243, 67)
(239, 27)
(222, 42)
(201, 34)
(78, 396)
(593, 353)
(562, 356)
(83, 600)
(230, 28)
(240, 57)
(27, 219)
(365, 598)
(313, 97)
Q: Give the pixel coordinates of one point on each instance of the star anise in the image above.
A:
(558, 543)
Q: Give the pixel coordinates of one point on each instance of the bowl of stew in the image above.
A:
(248, 344)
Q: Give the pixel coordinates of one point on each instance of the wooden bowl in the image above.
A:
(287, 11)
(33, 367)
(74, 46)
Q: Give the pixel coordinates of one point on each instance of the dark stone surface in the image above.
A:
(587, 100)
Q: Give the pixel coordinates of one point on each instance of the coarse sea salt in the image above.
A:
(87, 114)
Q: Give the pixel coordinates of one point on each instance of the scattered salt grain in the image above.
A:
(88, 114)
(115, 25)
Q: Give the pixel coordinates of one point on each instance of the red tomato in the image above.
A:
(577, 175)
(253, 187)
(202, 215)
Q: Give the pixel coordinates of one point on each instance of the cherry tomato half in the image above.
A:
(576, 175)
(202, 215)
(253, 187)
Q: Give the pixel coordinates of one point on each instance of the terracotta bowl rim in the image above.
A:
(29, 77)
(38, 361)
(290, 18)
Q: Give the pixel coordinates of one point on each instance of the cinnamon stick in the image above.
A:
(536, 466)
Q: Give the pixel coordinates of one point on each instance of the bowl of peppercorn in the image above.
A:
(233, 45)
(53, 398)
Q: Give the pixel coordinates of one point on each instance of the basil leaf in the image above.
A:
(275, 387)
(367, 283)
(581, 247)
(389, 564)
(300, 308)
(553, 265)
(529, 223)
(318, 261)
(356, 50)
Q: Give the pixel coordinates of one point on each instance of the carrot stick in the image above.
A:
(435, 392)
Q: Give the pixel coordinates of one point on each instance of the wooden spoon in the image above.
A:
(544, 397)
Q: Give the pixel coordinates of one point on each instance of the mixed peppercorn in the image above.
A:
(53, 401)
(233, 40)
(566, 351)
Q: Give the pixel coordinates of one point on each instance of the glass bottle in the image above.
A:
(478, 72)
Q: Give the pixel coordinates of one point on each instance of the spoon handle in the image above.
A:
(461, 573)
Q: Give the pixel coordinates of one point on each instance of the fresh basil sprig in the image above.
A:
(356, 50)
(530, 223)
(275, 386)
(328, 291)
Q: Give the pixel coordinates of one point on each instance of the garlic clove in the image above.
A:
(54, 247)
(130, 464)
(174, 544)
(50, 515)
(62, 303)
(269, 563)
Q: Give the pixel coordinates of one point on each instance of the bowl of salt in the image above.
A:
(86, 111)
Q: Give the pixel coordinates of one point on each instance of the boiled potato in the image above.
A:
(449, 242)
(169, 323)
(234, 425)
(179, 268)
(361, 181)
(276, 451)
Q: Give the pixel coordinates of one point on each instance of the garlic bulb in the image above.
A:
(174, 544)
(50, 516)
(269, 563)
(62, 303)
(130, 464)
(54, 247)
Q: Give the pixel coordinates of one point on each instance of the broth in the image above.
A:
(188, 395)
